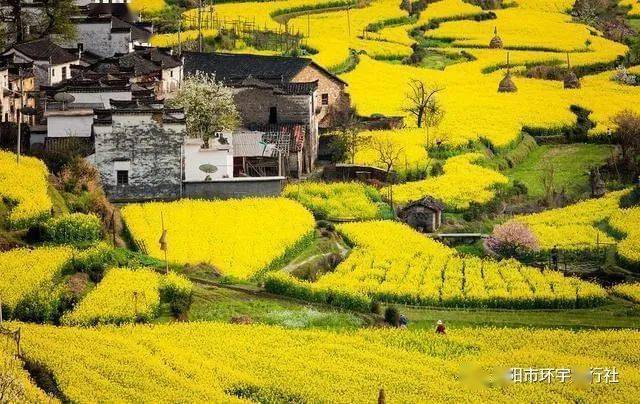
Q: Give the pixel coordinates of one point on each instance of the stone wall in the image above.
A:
(154, 152)
(234, 188)
(254, 105)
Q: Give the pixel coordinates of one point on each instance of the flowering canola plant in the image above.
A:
(462, 182)
(393, 263)
(147, 6)
(239, 237)
(628, 222)
(124, 295)
(15, 384)
(629, 291)
(24, 272)
(214, 362)
(574, 226)
(24, 184)
(341, 200)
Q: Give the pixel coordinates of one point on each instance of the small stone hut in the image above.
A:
(424, 215)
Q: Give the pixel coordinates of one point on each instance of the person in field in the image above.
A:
(404, 321)
(440, 329)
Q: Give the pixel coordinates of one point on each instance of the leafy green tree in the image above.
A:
(208, 105)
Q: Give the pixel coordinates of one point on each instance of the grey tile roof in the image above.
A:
(45, 50)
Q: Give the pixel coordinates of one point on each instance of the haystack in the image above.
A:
(507, 85)
(496, 41)
(570, 79)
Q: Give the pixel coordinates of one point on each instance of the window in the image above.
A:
(171, 73)
(325, 99)
(53, 72)
(273, 116)
(64, 72)
(122, 177)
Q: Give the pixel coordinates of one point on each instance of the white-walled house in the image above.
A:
(51, 63)
(208, 161)
(138, 151)
(107, 35)
(75, 119)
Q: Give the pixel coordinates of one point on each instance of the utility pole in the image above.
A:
(179, 36)
(348, 23)
(199, 25)
(308, 24)
(19, 112)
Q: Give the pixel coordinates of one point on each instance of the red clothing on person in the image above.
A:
(440, 329)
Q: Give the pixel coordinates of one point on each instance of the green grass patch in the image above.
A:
(571, 164)
(221, 304)
(617, 313)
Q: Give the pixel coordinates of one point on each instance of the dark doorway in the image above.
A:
(273, 116)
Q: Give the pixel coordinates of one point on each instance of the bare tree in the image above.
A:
(421, 98)
(389, 153)
(350, 136)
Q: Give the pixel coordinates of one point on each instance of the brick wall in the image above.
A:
(336, 91)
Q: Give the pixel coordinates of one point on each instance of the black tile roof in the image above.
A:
(46, 50)
(120, 10)
(231, 66)
(142, 61)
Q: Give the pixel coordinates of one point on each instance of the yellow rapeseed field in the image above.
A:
(213, 362)
(24, 272)
(629, 291)
(16, 385)
(147, 6)
(167, 40)
(574, 226)
(628, 222)
(24, 184)
(462, 182)
(239, 237)
(340, 200)
(393, 263)
(533, 30)
(124, 295)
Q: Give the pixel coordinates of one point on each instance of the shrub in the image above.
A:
(392, 316)
(519, 188)
(512, 239)
(94, 261)
(177, 290)
(39, 306)
(76, 228)
(376, 308)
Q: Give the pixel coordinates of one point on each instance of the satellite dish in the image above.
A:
(64, 97)
(208, 168)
